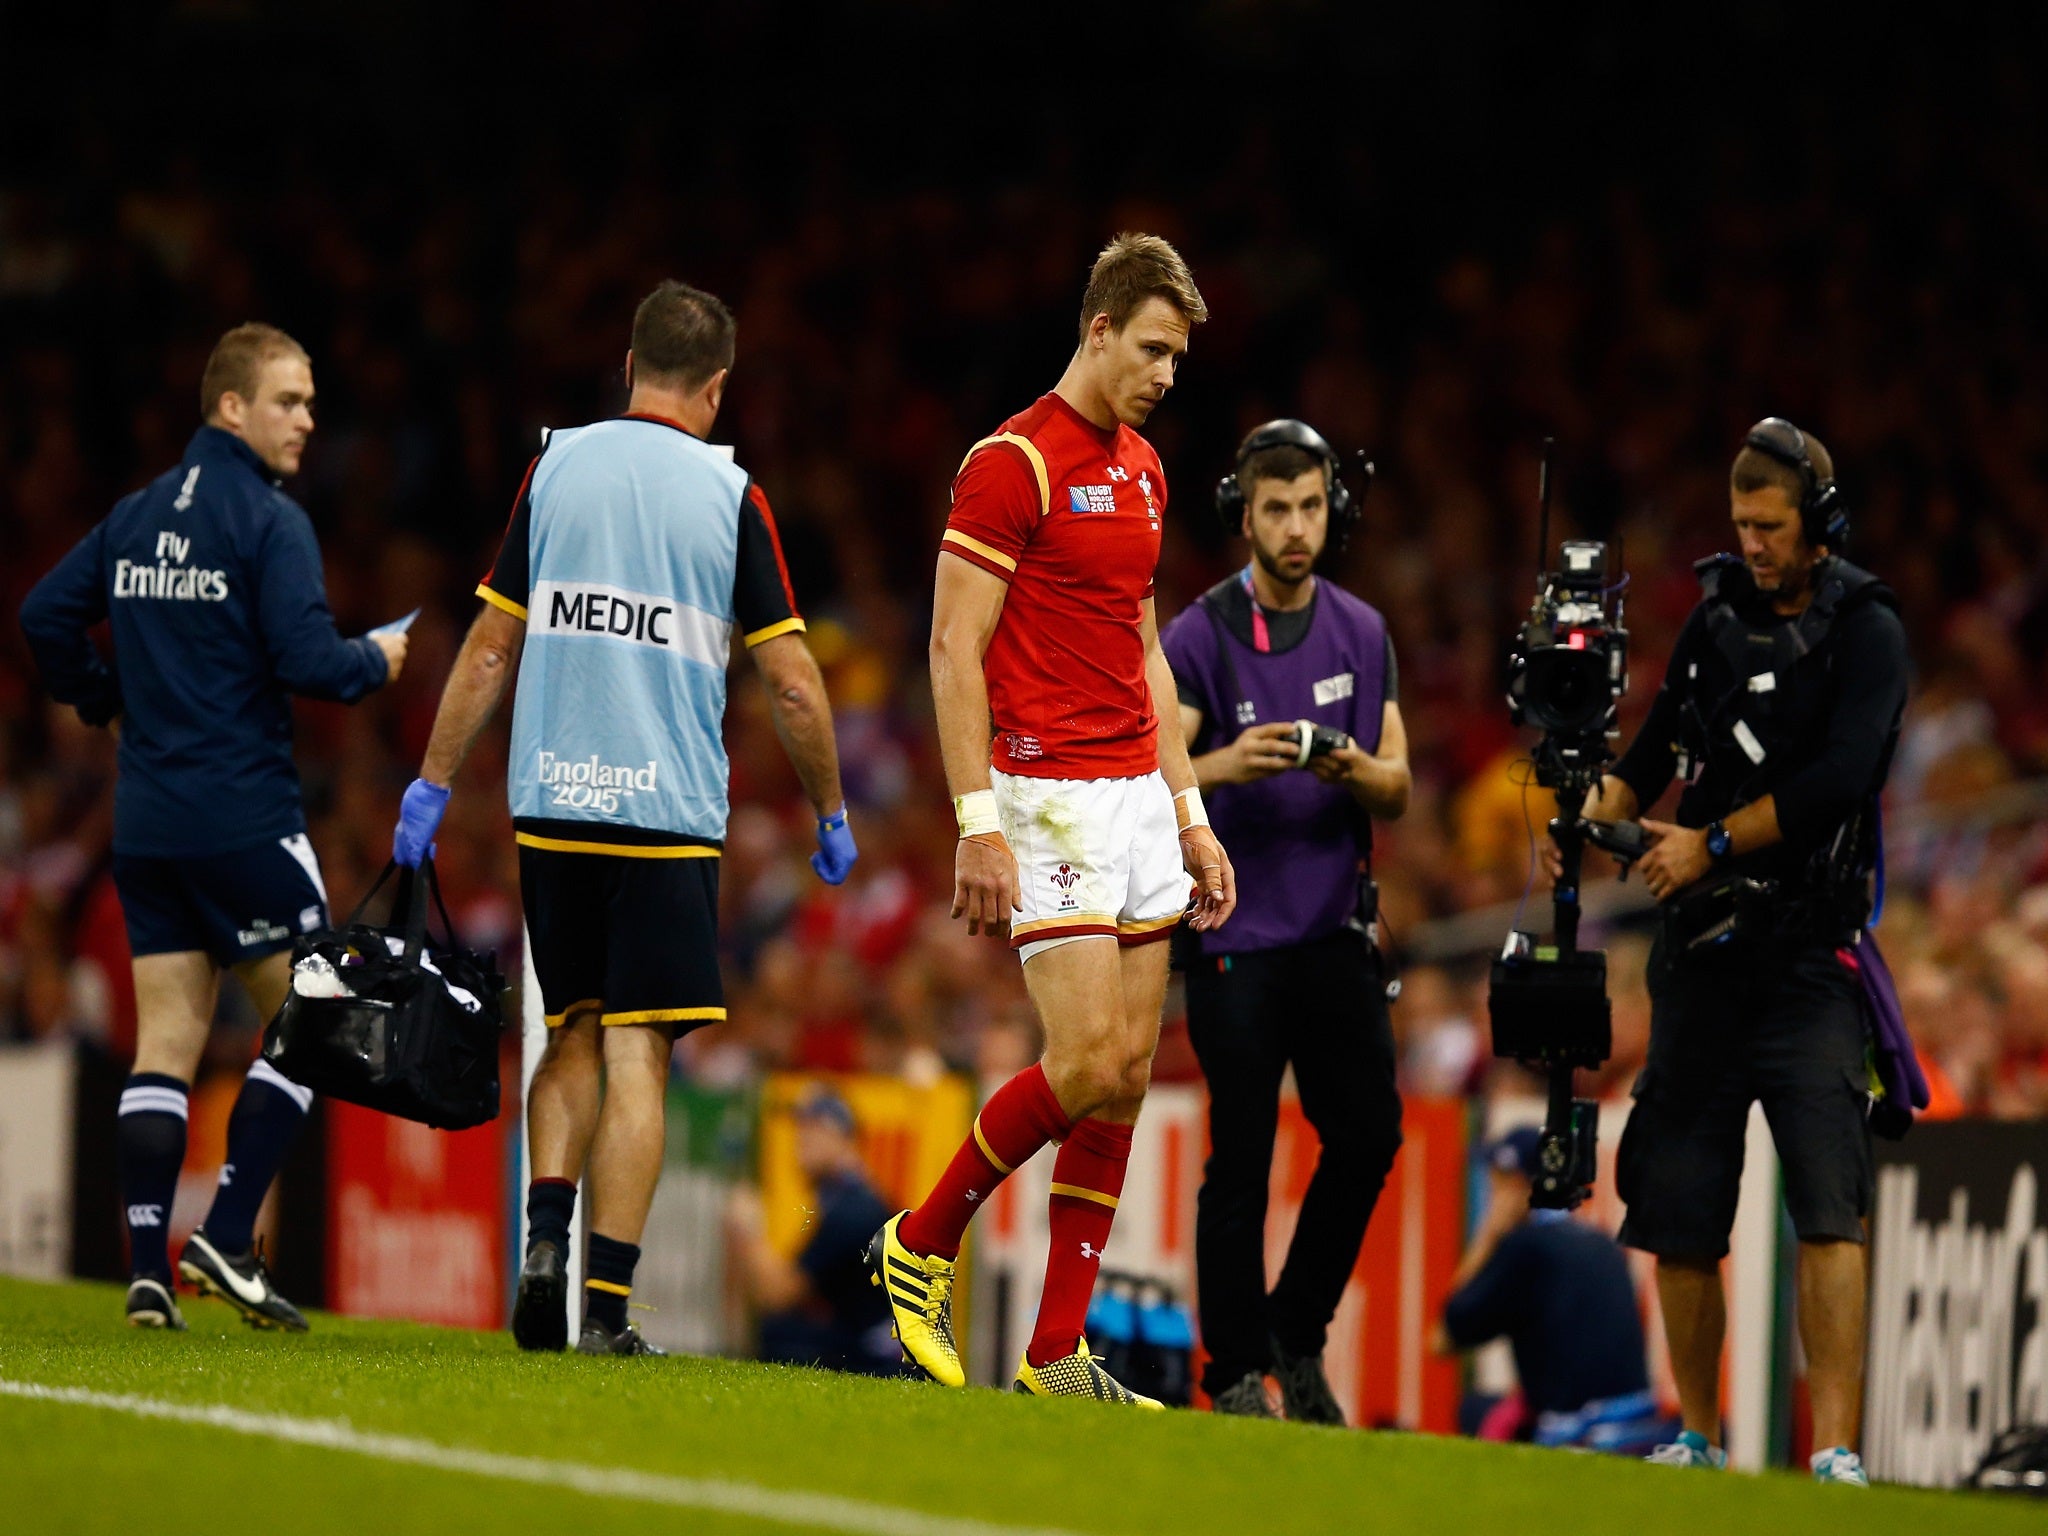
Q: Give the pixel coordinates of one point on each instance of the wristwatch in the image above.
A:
(1718, 841)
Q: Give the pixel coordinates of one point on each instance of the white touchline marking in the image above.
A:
(827, 1511)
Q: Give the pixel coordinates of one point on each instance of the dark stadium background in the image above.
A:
(1438, 232)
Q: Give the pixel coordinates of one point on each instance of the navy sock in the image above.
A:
(611, 1281)
(268, 1112)
(150, 1149)
(549, 1205)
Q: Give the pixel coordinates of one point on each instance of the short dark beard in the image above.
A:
(1268, 565)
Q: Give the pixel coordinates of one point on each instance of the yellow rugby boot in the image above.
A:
(920, 1291)
(1077, 1375)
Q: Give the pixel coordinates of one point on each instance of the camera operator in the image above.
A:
(1287, 692)
(1779, 710)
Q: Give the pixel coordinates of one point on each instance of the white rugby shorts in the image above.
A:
(1094, 857)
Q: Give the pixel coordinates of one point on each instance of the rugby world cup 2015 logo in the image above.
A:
(591, 784)
(1065, 878)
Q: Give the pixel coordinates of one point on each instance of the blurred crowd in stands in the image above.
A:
(1886, 296)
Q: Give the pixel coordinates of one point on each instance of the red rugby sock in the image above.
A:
(1087, 1179)
(1022, 1116)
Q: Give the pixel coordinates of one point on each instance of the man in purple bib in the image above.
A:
(1287, 695)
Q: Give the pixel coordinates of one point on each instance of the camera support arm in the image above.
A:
(1567, 673)
(1567, 1151)
(1568, 831)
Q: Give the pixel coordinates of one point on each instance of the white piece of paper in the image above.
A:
(1745, 738)
(395, 627)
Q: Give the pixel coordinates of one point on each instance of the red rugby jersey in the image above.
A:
(1069, 516)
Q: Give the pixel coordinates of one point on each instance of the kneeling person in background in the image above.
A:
(818, 1307)
(1560, 1291)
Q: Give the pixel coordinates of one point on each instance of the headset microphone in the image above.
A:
(1345, 509)
(1822, 517)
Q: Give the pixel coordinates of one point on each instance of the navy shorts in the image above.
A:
(633, 934)
(1780, 1024)
(234, 906)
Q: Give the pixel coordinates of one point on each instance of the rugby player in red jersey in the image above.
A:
(1077, 844)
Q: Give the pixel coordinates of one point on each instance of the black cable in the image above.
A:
(1528, 826)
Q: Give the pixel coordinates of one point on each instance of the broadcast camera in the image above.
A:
(1568, 669)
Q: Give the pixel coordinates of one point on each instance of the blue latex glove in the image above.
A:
(834, 859)
(419, 815)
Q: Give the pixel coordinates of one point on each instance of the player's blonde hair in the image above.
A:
(1133, 268)
(237, 363)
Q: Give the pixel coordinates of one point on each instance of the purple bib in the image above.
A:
(1299, 846)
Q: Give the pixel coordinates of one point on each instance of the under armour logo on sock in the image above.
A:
(145, 1215)
(1090, 1251)
(973, 1195)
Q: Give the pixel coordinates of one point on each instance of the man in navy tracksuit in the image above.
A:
(210, 580)
(1560, 1290)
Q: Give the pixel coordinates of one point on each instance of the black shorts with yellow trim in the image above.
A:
(622, 921)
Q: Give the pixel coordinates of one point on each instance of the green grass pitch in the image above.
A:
(382, 1429)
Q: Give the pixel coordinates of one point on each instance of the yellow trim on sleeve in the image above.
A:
(500, 600)
(1030, 452)
(955, 536)
(555, 1020)
(770, 631)
(623, 850)
(1076, 1192)
(663, 1016)
(607, 1285)
(987, 1151)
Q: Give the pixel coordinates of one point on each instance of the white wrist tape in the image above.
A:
(976, 813)
(1188, 809)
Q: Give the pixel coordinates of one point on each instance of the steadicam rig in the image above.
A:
(1567, 672)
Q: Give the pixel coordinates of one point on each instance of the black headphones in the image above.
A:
(1345, 510)
(1822, 517)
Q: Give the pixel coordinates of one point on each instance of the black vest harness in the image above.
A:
(1751, 718)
